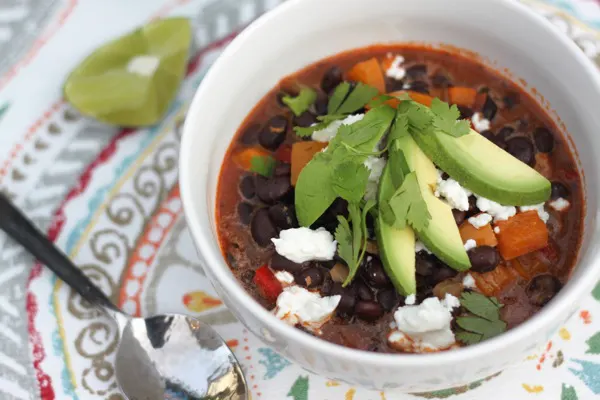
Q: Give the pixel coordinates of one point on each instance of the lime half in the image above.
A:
(132, 80)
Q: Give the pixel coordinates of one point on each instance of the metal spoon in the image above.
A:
(163, 357)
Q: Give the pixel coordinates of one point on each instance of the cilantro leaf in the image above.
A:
(408, 205)
(309, 130)
(337, 97)
(344, 239)
(480, 305)
(379, 100)
(263, 165)
(446, 119)
(364, 135)
(399, 128)
(482, 322)
(359, 97)
(487, 329)
(419, 117)
(350, 181)
(301, 103)
(314, 192)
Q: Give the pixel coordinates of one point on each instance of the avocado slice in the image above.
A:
(441, 236)
(396, 246)
(484, 168)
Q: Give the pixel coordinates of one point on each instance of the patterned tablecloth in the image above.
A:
(110, 199)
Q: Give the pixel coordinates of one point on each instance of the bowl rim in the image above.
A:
(570, 295)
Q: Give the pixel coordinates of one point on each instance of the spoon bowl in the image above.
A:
(167, 356)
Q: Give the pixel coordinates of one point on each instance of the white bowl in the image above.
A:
(303, 31)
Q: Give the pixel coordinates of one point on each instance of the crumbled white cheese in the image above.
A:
(396, 71)
(498, 211)
(559, 204)
(425, 327)
(544, 216)
(296, 305)
(410, 300)
(497, 230)
(481, 220)
(420, 246)
(470, 244)
(375, 166)
(329, 132)
(480, 123)
(303, 244)
(469, 282)
(456, 195)
(143, 65)
(284, 277)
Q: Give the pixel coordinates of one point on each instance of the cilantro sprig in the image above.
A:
(302, 102)
(482, 322)
(352, 240)
(344, 101)
(263, 165)
(446, 119)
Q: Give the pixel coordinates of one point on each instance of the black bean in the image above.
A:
(248, 276)
(262, 228)
(489, 108)
(282, 169)
(465, 112)
(279, 262)
(489, 135)
(329, 218)
(247, 187)
(393, 85)
(505, 132)
(441, 272)
(347, 300)
(333, 77)
(472, 206)
(368, 310)
(321, 103)
(416, 71)
(559, 190)
(441, 81)
(310, 278)
(544, 140)
(245, 212)
(305, 119)
(273, 133)
(283, 216)
(363, 291)
(388, 298)
(459, 216)
(522, 149)
(425, 264)
(542, 289)
(375, 274)
(511, 100)
(272, 189)
(250, 134)
(484, 258)
(419, 86)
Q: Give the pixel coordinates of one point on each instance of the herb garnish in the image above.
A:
(352, 241)
(344, 101)
(302, 102)
(262, 165)
(446, 119)
(315, 189)
(483, 322)
(406, 205)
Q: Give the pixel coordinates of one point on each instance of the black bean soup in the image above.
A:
(253, 207)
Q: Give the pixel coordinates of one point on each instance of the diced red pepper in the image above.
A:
(267, 284)
(284, 154)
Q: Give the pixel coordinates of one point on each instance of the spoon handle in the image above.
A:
(22, 230)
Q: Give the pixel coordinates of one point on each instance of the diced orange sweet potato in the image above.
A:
(484, 236)
(244, 158)
(302, 153)
(416, 96)
(493, 282)
(521, 234)
(462, 96)
(368, 72)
